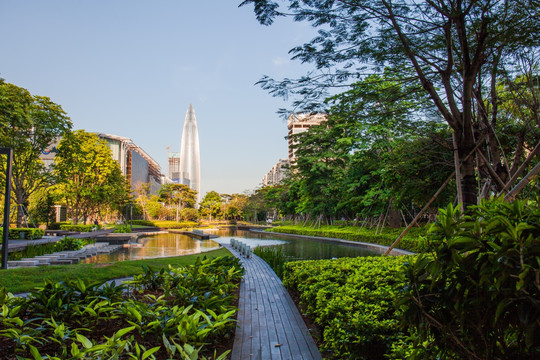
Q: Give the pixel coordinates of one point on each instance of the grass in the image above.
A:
(25, 279)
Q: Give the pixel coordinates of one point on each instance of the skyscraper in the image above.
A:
(190, 162)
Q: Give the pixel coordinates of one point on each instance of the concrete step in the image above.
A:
(21, 263)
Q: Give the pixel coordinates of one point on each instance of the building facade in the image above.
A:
(277, 173)
(136, 165)
(190, 160)
(173, 166)
(299, 123)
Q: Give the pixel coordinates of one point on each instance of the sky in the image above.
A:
(131, 68)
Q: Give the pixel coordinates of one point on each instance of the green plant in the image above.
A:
(67, 243)
(26, 233)
(122, 229)
(477, 295)
(351, 299)
(412, 241)
(273, 255)
(80, 320)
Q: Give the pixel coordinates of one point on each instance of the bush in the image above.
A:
(56, 225)
(80, 228)
(122, 229)
(167, 224)
(187, 314)
(411, 242)
(479, 292)
(26, 233)
(71, 244)
(352, 301)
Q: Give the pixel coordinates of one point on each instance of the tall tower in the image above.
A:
(190, 162)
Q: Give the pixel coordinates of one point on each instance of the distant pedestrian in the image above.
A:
(96, 222)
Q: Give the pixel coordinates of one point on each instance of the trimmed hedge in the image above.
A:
(56, 225)
(411, 242)
(167, 224)
(29, 233)
(80, 228)
(351, 299)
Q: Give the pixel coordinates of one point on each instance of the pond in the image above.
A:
(170, 244)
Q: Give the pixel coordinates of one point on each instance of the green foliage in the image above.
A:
(352, 301)
(29, 124)
(79, 320)
(80, 227)
(89, 179)
(411, 242)
(210, 205)
(26, 233)
(67, 243)
(189, 214)
(477, 295)
(122, 229)
(273, 255)
(56, 225)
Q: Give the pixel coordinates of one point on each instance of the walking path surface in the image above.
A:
(270, 325)
(21, 244)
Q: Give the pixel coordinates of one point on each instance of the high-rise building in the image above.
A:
(277, 173)
(173, 166)
(190, 162)
(298, 123)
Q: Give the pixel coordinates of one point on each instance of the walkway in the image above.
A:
(270, 326)
(14, 245)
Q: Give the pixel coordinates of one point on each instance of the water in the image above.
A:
(164, 245)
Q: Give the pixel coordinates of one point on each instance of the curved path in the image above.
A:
(269, 324)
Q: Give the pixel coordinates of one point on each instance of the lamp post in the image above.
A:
(7, 196)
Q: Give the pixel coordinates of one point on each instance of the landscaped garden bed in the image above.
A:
(184, 312)
(411, 242)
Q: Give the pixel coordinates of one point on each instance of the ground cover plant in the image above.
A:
(25, 279)
(167, 224)
(64, 244)
(24, 233)
(412, 241)
(180, 313)
(352, 300)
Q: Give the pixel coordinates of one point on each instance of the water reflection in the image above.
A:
(171, 244)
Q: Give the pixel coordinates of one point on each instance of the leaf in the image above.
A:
(84, 341)
(124, 331)
(35, 353)
(149, 352)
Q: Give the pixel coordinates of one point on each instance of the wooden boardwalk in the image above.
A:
(269, 324)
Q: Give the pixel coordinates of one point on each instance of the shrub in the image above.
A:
(352, 301)
(80, 228)
(478, 294)
(167, 224)
(26, 233)
(189, 312)
(56, 225)
(412, 241)
(273, 255)
(71, 244)
(122, 229)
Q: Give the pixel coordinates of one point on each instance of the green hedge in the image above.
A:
(412, 241)
(29, 233)
(167, 224)
(80, 228)
(351, 299)
(56, 225)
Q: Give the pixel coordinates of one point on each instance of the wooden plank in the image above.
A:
(270, 326)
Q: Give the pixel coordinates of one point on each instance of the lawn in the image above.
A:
(25, 279)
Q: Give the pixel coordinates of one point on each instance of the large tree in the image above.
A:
(88, 177)
(179, 195)
(457, 49)
(28, 124)
(211, 205)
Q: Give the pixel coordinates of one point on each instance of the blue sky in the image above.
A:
(131, 68)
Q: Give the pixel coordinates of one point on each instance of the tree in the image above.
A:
(210, 205)
(457, 49)
(28, 124)
(233, 208)
(178, 194)
(88, 176)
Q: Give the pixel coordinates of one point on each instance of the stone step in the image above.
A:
(41, 261)
(23, 263)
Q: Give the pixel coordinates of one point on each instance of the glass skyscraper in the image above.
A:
(190, 161)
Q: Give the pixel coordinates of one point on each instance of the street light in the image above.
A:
(5, 235)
